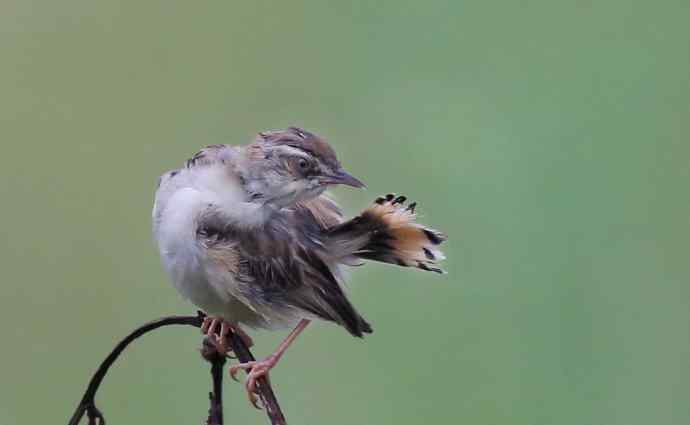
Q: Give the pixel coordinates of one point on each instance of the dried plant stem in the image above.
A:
(217, 360)
(87, 405)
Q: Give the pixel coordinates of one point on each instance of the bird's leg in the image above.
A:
(257, 369)
(219, 336)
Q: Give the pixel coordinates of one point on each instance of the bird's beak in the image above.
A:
(343, 177)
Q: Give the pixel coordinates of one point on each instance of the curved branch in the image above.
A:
(217, 360)
(266, 394)
(88, 405)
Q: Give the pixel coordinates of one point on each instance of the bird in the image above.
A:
(250, 235)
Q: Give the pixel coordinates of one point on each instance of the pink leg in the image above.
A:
(261, 368)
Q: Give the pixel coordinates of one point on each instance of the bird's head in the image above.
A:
(288, 166)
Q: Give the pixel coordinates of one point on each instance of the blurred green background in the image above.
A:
(549, 139)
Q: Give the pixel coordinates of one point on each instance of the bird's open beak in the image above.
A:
(343, 177)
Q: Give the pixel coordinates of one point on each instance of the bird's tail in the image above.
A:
(387, 232)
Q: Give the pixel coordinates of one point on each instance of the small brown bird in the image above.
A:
(248, 235)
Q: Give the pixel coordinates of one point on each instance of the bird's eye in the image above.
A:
(303, 164)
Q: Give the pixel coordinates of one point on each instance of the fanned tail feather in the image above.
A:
(387, 232)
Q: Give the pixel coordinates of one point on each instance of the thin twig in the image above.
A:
(266, 394)
(217, 360)
(87, 405)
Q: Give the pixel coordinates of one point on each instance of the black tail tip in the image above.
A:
(363, 328)
(435, 238)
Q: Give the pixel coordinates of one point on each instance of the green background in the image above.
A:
(549, 139)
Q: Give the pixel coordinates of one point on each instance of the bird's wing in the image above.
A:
(172, 181)
(280, 268)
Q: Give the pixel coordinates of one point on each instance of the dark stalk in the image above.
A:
(217, 360)
(87, 405)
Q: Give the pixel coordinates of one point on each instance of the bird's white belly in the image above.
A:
(184, 260)
(189, 276)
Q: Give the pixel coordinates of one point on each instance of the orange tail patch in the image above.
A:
(397, 239)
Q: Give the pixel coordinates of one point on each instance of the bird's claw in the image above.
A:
(218, 337)
(255, 370)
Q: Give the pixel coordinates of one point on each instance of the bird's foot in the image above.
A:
(255, 370)
(218, 337)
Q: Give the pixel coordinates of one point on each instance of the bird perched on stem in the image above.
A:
(247, 234)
